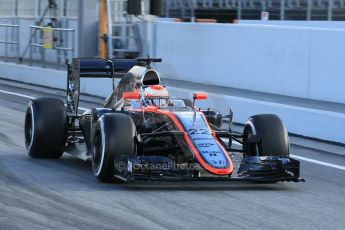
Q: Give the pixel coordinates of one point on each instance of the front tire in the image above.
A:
(114, 137)
(45, 128)
(274, 139)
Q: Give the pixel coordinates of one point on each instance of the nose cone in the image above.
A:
(210, 151)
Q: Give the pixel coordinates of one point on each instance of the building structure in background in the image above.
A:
(123, 28)
(82, 26)
(24, 26)
(229, 10)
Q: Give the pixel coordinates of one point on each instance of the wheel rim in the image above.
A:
(249, 149)
(97, 151)
(29, 128)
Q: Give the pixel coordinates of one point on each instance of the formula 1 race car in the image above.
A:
(142, 133)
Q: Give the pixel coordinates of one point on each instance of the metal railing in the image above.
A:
(11, 39)
(124, 35)
(187, 8)
(60, 43)
(125, 39)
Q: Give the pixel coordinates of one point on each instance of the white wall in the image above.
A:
(293, 61)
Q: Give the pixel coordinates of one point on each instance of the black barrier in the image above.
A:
(157, 7)
(134, 7)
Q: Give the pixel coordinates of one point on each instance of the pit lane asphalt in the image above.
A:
(63, 194)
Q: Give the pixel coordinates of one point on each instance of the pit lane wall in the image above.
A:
(297, 61)
(304, 121)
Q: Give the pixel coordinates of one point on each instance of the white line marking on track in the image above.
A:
(239, 146)
(318, 162)
(29, 97)
(294, 156)
(17, 94)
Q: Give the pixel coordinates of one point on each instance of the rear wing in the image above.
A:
(97, 68)
(100, 68)
(93, 68)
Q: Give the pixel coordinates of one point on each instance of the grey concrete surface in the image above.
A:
(63, 194)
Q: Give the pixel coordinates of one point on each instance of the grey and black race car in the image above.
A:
(141, 133)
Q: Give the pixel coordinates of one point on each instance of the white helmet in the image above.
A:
(156, 91)
(157, 95)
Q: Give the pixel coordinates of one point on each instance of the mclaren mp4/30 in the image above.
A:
(141, 133)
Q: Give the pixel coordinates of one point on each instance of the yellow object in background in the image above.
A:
(48, 37)
(103, 29)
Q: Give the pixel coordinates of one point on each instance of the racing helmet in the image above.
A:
(157, 95)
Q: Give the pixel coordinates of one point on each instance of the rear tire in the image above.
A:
(274, 139)
(114, 137)
(45, 128)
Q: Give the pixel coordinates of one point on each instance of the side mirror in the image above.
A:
(200, 96)
(131, 95)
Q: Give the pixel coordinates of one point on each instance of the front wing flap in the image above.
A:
(270, 168)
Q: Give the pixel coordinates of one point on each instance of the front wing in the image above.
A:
(252, 169)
